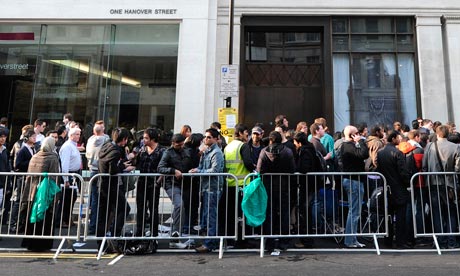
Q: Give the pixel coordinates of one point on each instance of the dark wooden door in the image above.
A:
(293, 90)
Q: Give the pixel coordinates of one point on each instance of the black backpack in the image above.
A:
(132, 247)
(338, 161)
(410, 163)
(322, 165)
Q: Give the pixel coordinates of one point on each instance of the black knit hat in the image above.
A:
(4, 131)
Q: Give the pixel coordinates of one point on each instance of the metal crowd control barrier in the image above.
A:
(181, 211)
(57, 221)
(315, 205)
(435, 208)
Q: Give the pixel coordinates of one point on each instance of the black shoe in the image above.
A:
(403, 246)
(203, 249)
(13, 228)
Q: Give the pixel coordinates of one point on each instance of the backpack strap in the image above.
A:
(437, 155)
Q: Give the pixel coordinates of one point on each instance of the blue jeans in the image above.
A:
(422, 224)
(209, 203)
(94, 199)
(355, 192)
(444, 214)
(317, 209)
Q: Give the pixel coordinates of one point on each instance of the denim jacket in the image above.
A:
(212, 161)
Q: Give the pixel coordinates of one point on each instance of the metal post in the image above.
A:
(228, 100)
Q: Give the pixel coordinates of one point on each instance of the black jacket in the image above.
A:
(276, 159)
(171, 161)
(111, 158)
(4, 166)
(392, 164)
(353, 156)
(306, 160)
(23, 159)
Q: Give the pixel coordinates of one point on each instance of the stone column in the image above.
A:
(433, 92)
(452, 60)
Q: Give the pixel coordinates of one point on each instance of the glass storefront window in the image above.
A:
(379, 87)
(122, 74)
(19, 48)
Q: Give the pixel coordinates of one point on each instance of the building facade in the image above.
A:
(158, 63)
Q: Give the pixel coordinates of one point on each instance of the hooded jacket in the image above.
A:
(276, 158)
(111, 158)
(414, 159)
(374, 144)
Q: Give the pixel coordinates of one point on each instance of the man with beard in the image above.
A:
(176, 161)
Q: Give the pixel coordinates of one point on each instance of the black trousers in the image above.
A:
(147, 195)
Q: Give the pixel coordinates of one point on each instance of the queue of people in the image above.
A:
(200, 204)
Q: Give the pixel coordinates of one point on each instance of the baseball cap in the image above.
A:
(257, 130)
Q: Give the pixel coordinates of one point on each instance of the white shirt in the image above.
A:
(70, 158)
(40, 138)
(30, 148)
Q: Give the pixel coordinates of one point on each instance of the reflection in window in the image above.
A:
(123, 74)
(287, 47)
(380, 88)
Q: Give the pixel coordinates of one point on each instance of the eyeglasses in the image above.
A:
(208, 137)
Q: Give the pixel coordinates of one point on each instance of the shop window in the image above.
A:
(374, 70)
(122, 74)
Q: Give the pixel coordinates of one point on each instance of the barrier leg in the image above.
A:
(58, 250)
(376, 244)
(101, 249)
(262, 247)
(436, 244)
(221, 248)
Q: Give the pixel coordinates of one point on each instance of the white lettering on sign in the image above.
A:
(14, 66)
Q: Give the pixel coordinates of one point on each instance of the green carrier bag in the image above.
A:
(254, 204)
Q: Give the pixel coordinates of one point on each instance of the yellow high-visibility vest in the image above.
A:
(234, 163)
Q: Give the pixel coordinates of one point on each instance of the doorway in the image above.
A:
(283, 70)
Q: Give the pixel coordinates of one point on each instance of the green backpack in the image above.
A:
(254, 204)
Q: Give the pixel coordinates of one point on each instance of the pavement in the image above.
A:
(247, 263)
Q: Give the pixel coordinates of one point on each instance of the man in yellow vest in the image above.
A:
(239, 163)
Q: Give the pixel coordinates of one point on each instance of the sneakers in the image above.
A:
(190, 243)
(356, 245)
(175, 243)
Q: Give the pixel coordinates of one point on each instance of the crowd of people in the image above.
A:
(397, 152)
